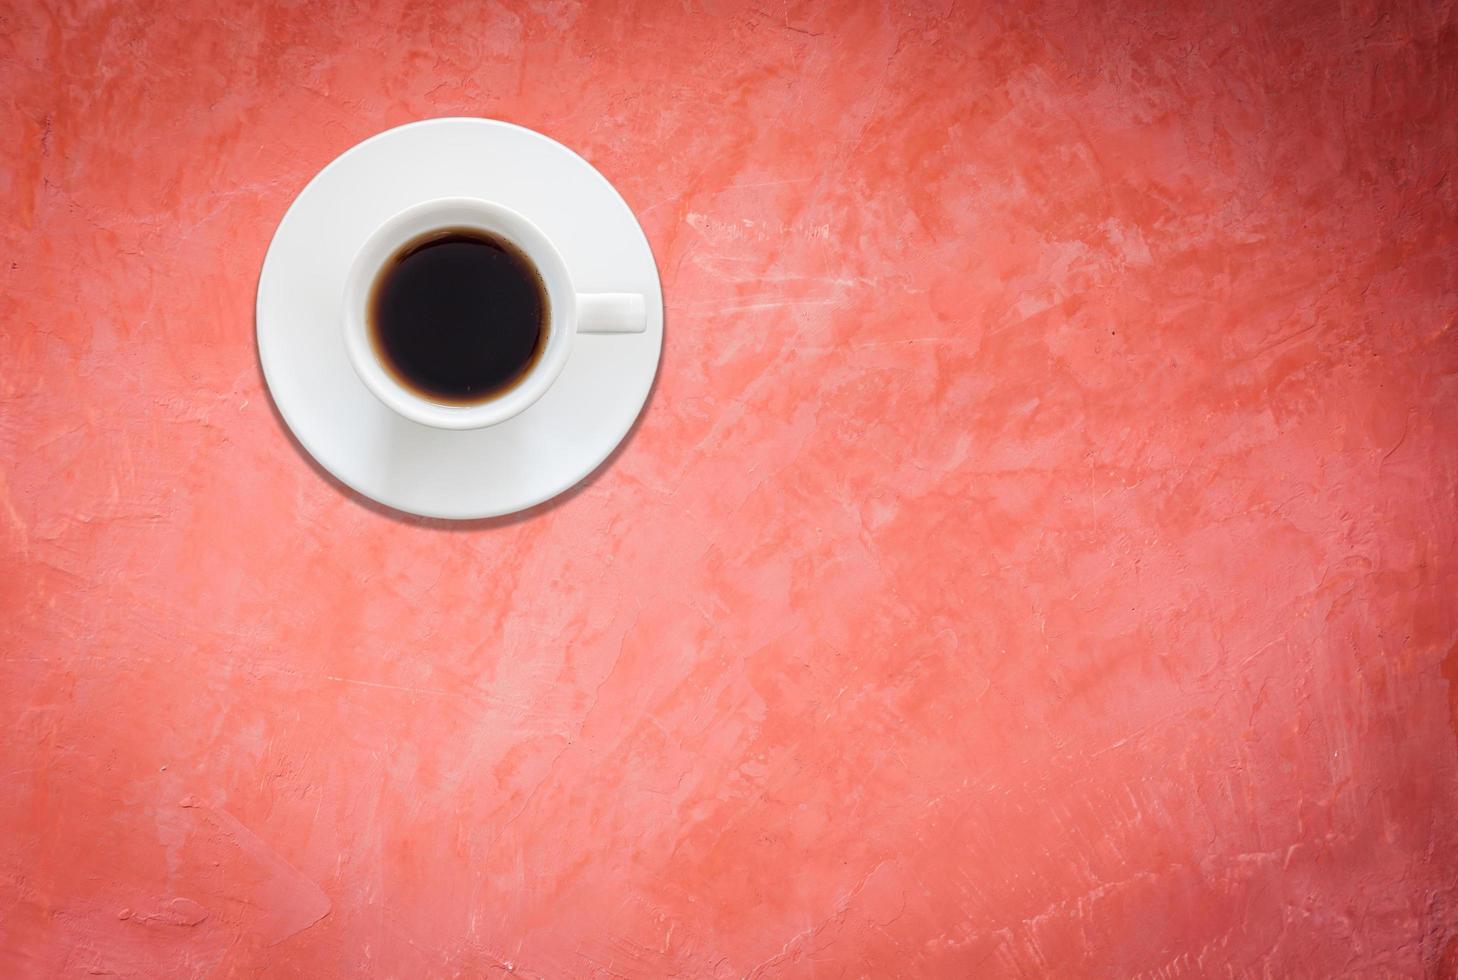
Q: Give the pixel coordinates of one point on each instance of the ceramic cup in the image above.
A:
(569, 312)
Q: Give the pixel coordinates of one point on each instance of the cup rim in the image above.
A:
(421, 219)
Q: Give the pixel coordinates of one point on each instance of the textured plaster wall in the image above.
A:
(1038, 555)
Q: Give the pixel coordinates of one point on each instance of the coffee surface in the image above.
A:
(459, 316)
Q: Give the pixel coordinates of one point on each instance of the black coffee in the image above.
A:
(458, 316)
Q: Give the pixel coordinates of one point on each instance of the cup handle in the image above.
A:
(611, 313)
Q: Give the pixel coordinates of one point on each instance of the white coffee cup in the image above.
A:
(568, 311)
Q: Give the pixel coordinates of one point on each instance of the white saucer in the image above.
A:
(434, 472)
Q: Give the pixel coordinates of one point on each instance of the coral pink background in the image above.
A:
(1038, 555)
